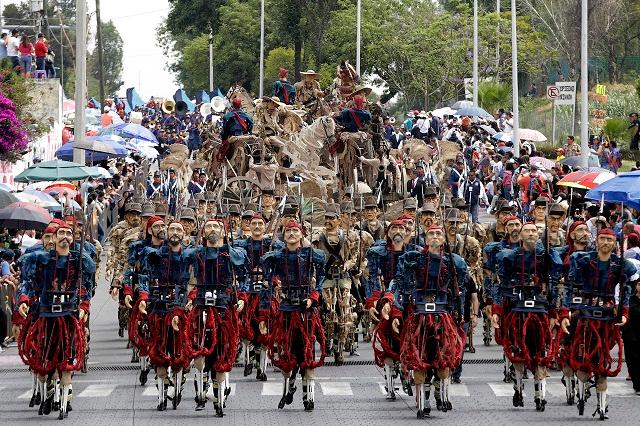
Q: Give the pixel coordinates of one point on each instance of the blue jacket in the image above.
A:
(282, 86)
(346, 119)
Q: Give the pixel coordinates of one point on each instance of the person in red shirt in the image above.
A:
(41, 49)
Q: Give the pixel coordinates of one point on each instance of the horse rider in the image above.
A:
(283, 89)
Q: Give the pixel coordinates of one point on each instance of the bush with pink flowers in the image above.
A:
(13, 136)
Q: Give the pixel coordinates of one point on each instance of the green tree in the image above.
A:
(493, 95)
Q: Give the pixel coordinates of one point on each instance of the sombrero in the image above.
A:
(311, 73)
(361, 89)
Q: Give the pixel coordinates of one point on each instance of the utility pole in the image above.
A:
(584, 87)
(498, 41)
(100, 52)
(514, 81)
(210, 60)
(81, 77)
(261, 91)
(358, 22)
(475, 53)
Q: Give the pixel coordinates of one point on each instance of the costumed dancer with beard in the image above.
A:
(432, 337)
(511, 239)
(135, 278)
(117, 259)
(371, 223)
(341, 250)
(297, 325)
(523, 309)
(577, 241)
(57, 286)
(598, 291)
(382, 261)
(164, 293)
(255, 340)
(219, 296)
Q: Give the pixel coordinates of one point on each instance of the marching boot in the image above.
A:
(201, 397)
(64, 402)
(177, 389)
(69, 398)
(285, 390)
(261, 374)
(569, 388)
(443, 395)
(308, 392)
(144, 370)
(508, 374)
(427, 397)
(44, 399)
(581, 397)
(217, 399)
(601, 408)
(437, 394)
(134, 356)
(446, 401)
(56, 395)
(518, 388)
(420, 400)
(227, 389)
(540, 394)
(248, 365)
(162, 394)
(406, 383)
(391, 390)
(34, 391)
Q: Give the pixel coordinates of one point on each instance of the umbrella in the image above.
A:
(462, 104)
(624, 188)
(572, 179)
(441, 112)
(502, 136)
(38, 198)
(61, 183)
(488, 129)
(100, 172)
(531, 135)
(21, 215)
(102, 145)
(593, 179)
(545, 162)
(130, 130)
(147, 152)
(574, 161)
(473, 112)
(53, 170)
(7, 198)
(141, 143)
(62, 190)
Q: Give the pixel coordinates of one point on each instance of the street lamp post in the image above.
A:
(81, 78)
(358, 22)
(514, 80)
(261, 91)
(584, 87)
(475, 52)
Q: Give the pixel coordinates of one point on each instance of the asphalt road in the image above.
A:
(352, 394)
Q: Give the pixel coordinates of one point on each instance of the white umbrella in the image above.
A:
(7, 187)
(462, 104)
(148, 152)
(100, 172)
(531, 135)
(41, 199)
(441, 112)
(488, 129)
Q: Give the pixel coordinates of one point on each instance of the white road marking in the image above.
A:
(94, 391)
(336, 388)
(271, 389)
(503, 389)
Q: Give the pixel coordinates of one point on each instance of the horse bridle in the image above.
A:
(327, 137)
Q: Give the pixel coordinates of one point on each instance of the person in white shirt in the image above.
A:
(12, 49)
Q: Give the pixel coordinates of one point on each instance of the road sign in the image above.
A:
(566, 93)
(601, 89)
(552, 92)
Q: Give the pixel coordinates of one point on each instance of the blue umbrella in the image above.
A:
(473, 112)
(202, 97)
(181, 96)
(133, 99)
(624, 188)
(65, 152)
(129, 130)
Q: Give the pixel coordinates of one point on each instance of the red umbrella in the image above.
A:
(593, 179)
(573, 179)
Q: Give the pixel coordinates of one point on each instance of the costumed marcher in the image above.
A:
(370, 222)
(297, 326)
(577, 241)
(56, 286)
(433, 338)
(283, 89)
(341, 251)
(254, 340)
(354, 119)
(120, 237)
(236, 122)
(523, 309)
(382, 262)
(219, 296)
(308, 93)
(164, 292)
(598, 292)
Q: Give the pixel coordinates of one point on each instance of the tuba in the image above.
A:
(218, 104)
(205, 109)
(181, 108)
(168, 106)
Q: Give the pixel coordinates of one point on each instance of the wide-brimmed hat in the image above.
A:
(310, 73)
(273, 99)
(361, 89)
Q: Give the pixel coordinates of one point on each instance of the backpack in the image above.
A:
(615, 159)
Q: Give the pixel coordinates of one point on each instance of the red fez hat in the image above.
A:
(607, 231)
(293, 224)
(152, 220)
(406, 216)
(236, 102)
(50, 230)
(509, 219)
(397, 222)
(434, 227)
(258, 216)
